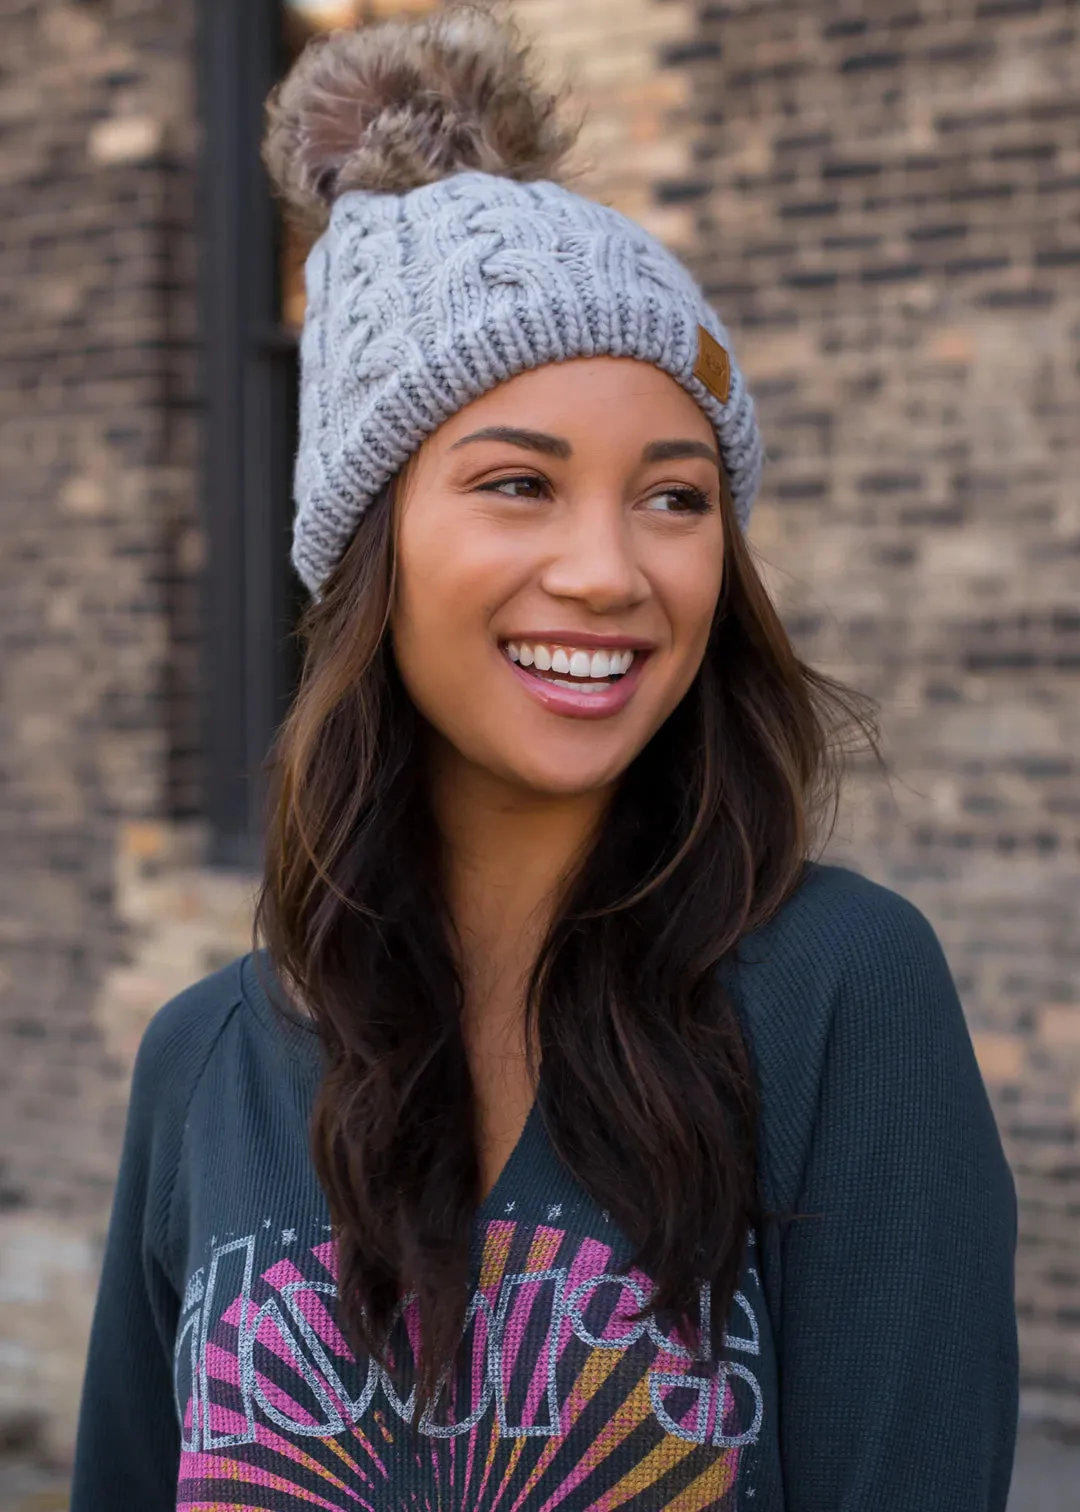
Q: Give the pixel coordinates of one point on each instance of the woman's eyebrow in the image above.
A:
(674, 451)
(538, 441)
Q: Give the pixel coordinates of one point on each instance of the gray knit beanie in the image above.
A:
(451, 259)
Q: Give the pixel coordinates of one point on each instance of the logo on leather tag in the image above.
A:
(713, 366)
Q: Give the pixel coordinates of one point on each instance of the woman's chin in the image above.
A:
(560, 779)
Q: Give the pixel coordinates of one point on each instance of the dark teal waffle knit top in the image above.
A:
(869, 1361)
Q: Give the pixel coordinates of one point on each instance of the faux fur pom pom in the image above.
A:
(402, 103)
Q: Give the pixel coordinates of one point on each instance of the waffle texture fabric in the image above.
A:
(870, 1353)
(419, 303)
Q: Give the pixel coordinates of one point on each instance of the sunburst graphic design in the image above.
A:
(559, 1399)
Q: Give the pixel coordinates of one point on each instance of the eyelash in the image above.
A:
(695, 501)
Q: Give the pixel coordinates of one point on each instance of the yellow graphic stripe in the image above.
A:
(630, 1415)
(705, 1491)
(715, 1481)
(508, 1478)
(493, 1444)
(496, 1253)
(497, 1241)
(353, 1465)
(595, 1371)
(544, 1248)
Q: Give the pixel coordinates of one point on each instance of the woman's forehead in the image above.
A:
(569, 399)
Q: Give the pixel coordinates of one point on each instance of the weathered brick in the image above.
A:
(1059, 1026)
(96, 295)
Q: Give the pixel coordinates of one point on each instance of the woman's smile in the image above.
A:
(577, 680)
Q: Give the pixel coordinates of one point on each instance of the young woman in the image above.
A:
(575, 1142)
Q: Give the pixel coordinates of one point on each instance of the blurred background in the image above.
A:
(883, 201)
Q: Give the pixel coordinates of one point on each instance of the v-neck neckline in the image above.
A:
(301, 1040)
(508, 1176)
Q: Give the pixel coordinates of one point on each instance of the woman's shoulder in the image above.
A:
(843, 994)
(182, 1035)
(838, 931)
(237, 1013)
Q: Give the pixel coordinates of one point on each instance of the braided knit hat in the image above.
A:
(450, 259)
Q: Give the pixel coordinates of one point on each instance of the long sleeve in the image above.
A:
(897, 1348)
(128, 1442)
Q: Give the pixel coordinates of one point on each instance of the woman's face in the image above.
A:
(560, 553)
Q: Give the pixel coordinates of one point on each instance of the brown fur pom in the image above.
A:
(403, 103)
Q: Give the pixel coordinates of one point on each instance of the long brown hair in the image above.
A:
(646, 1091)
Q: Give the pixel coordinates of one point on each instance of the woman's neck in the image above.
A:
(508, 855)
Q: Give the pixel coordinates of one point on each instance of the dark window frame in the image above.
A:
(251, 595)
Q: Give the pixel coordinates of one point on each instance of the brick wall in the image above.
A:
(886, 205)
(97, 449)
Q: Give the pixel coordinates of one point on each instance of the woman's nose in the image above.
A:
(596, 561)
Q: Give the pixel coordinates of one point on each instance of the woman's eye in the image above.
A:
(524, 487)
(680, 501)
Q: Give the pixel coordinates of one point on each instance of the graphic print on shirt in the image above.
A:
(560, 1401)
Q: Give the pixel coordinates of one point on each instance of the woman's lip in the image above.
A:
(574, 705)
(580, 638)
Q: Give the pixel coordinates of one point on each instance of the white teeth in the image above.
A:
(580, 687)
(579, 665)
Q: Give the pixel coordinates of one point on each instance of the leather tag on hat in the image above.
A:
(713, 366)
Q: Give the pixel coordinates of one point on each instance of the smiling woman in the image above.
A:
(615, 543)
(575, 1140)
